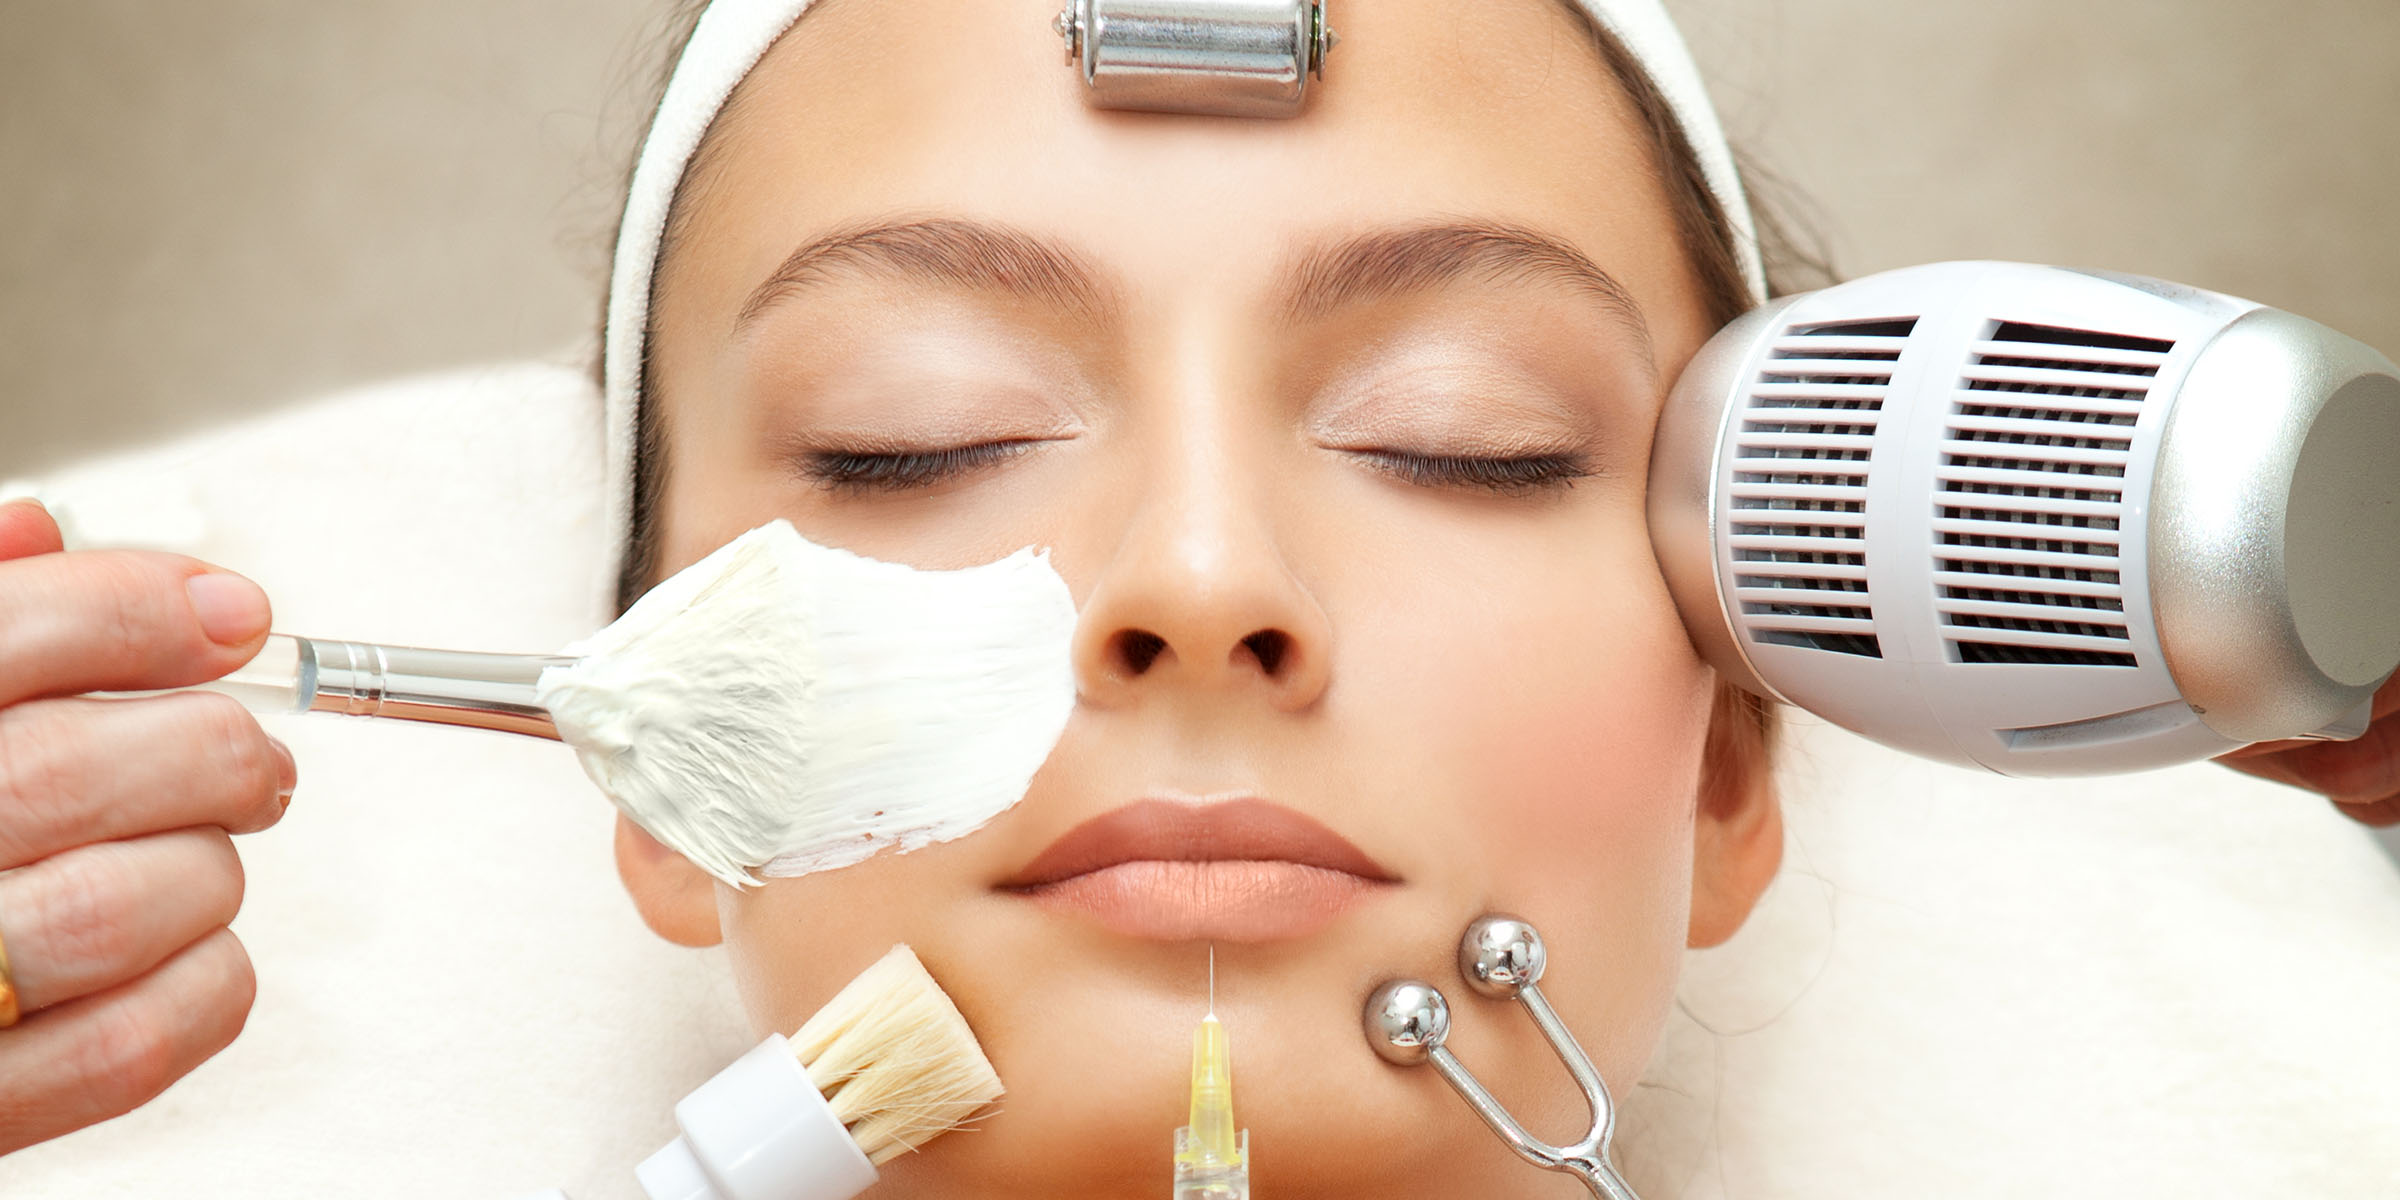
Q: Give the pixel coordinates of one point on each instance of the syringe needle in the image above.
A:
(1212, 1155)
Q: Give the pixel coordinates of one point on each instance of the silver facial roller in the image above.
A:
(1501, 957)
(1232, 58)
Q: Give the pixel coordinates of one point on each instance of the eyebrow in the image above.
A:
(1395, 262)
(985, 256)
(951, 252)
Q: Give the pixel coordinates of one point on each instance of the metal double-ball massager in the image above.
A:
(2039, 521)
(1500, 958)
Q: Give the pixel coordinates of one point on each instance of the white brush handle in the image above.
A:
(758, 1130)
(361, 679)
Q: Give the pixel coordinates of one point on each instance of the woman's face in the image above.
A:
(1337, 428)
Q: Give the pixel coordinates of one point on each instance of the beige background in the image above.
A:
(213, 208)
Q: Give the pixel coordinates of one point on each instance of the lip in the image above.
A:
(1242, 870)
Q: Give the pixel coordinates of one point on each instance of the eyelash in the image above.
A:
(1508, 474)
(896, 471)
(902, 470)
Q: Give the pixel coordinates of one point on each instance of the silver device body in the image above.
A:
(2042, 521)
(1235, 58)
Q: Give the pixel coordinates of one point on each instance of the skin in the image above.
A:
(1487, 690)
(2361, 777)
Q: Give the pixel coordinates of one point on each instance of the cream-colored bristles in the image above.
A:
(895, 1059)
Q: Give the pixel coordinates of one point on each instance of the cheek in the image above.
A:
(1549, 683)
(1556, 734)
(1587, 728)
(793, 943)
(716, 489)
(776, 940)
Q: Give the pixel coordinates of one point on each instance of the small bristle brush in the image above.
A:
(885, 1067)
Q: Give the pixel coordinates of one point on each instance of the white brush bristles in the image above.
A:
(787, 707)
(895, 1059)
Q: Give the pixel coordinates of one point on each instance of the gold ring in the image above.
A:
(8, 991)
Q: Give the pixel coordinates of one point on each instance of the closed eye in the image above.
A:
(903, 470)
(1506, 474)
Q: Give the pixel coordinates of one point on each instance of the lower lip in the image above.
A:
(1225, 901)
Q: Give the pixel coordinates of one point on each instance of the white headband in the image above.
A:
(733, 35)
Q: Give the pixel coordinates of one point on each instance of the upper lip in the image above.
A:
(1244, 830)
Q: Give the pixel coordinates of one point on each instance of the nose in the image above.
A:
(1198, 597)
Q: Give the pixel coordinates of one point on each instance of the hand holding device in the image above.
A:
(2361, 777)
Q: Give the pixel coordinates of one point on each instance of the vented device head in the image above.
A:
(2048, 522)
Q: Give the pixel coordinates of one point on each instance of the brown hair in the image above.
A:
(1742, 727)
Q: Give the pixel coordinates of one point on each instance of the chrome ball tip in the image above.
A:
(1501, 955)
(1406, 1020)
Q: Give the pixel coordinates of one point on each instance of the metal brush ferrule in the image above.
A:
(1232, 58)
(444, 687)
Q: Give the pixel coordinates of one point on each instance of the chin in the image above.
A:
(1091, 1031)
(1091, 1034)
(1099, 1080)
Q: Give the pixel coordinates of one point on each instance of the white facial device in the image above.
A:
(2043, 521)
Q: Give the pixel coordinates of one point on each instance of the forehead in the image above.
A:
(1486, 109)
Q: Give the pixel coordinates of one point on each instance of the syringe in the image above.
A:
(1212, 1158)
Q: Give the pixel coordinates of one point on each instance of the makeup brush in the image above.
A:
(778, 705)
(886, 1066)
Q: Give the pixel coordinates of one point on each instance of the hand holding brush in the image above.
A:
(778, 707)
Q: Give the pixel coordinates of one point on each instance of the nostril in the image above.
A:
(1137, 649)
(1268, 646)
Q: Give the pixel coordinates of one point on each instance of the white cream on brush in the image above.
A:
(785, 707)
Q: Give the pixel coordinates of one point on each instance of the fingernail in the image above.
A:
(288, 776)
(232, 610)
